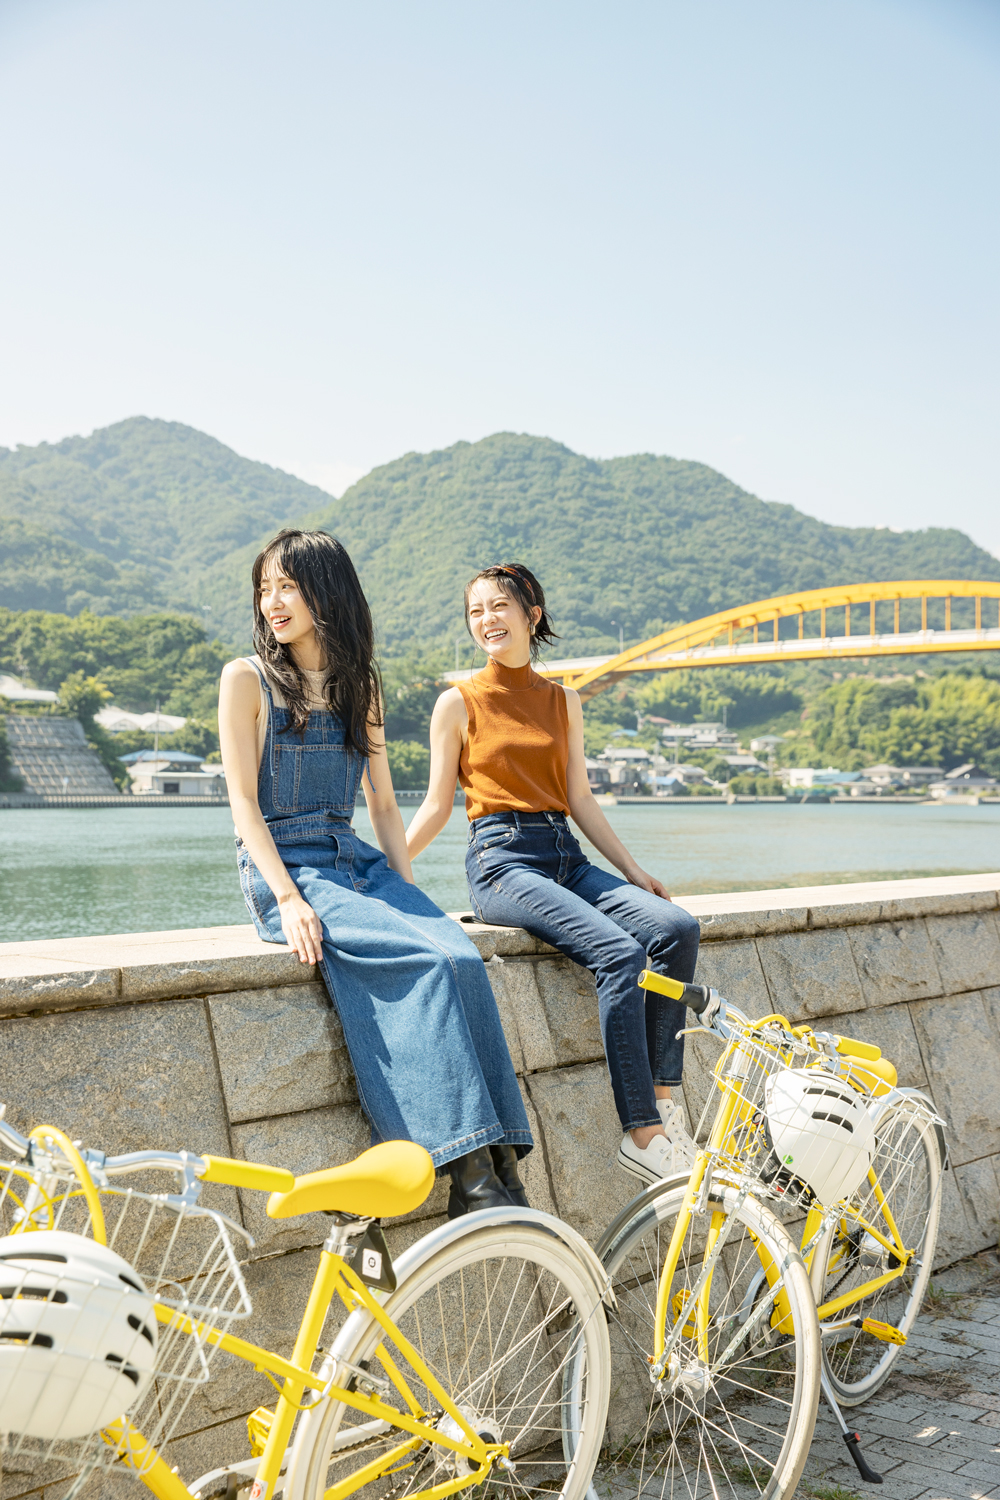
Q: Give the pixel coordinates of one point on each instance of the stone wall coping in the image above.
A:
(118, 968)
(122, 967)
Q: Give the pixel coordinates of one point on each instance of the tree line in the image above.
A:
(942, 716)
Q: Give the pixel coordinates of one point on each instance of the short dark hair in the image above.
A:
(323, 571)
(521, 585)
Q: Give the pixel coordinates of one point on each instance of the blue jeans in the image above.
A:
(420, 1021)
(527, 870)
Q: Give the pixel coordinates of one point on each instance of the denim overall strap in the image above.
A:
(312, 775)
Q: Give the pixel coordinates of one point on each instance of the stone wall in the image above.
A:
(213, 1041)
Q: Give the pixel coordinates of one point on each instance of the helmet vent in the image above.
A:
(819, 1114)
(830, 1093)
(140, 1327)
(32, 1293)
(123, 1368)
(41, 1340)
(32, 1255)
(129, 1282)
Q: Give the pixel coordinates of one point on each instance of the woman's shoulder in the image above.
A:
(241, 666)
(451, 704)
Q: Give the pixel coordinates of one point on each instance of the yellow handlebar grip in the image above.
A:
(248, 1174)
(847, 1047)
(661, 984)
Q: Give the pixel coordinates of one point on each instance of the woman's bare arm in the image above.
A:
(588, 816)
(239, 696)
(449, 730)
(382, 806)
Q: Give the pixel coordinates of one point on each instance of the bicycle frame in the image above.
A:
(733, 1111)
(334, 1276)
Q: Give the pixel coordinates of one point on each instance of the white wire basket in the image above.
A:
(825, 1113)
(101, 1355)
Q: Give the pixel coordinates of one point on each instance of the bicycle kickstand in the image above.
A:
(851, 1438)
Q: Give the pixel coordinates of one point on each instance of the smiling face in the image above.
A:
(499, 625)
(286, 611)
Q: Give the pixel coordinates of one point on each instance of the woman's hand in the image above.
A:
(645, 882)
(301, 927)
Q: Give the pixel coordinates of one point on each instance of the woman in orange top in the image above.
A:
(515, 742)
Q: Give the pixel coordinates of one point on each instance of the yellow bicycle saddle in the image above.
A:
(388, 1179)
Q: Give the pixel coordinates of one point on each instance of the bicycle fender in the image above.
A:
(881, 1105)
(456, 1229)
(628, 1213)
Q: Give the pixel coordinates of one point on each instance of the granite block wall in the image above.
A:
(213, 1041)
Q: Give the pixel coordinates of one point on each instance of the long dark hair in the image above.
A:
(521, 585)
(326, 578)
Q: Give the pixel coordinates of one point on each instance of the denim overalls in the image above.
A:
(419, 1017)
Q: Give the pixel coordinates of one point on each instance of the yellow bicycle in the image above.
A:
(480, 1359)
(738, 1295)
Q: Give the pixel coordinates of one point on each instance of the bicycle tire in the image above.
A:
(908, 1167)
(496, 1315)
(737, 1438)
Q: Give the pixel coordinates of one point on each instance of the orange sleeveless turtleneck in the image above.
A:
(517, 752)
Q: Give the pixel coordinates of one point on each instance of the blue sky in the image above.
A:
(764, 236)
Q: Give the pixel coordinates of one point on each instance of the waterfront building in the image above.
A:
(706, 736)
(16, 692)
(766, 744)
(963, 781)
(173, 774)
(744, 765)
(120, 721)
(598, 775)
(808, 776)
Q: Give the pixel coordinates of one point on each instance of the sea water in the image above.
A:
(67, 872)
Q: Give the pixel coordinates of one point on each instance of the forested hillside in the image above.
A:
(148, 513)
(131, 517)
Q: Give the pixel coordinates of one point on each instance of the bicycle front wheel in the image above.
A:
(499, 1317)
(740, 1422)
(907, 1168)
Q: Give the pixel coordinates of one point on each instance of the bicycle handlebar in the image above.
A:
(696, 997)
(207, 1168)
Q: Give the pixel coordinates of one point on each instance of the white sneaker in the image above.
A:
(672, 1118)
(652, 1162)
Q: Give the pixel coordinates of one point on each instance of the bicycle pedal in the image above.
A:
(258, 1427)
(884, 1332)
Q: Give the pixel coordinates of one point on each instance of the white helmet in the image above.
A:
(77, 1335)
(820, 1132)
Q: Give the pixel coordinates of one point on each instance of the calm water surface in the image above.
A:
(73, 871)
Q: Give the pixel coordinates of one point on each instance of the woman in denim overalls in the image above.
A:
(418, 1013)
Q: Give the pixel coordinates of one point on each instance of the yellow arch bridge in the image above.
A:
(915, 616)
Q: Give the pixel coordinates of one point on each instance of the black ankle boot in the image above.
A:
(475, 1184)
(505, 1166)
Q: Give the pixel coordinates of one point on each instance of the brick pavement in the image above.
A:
(933, 1431)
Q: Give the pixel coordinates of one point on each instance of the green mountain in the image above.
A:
(643, 541)
(137, 515)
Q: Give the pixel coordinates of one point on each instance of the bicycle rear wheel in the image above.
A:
(907, 1167)
(499, 1316)
(743, 1427)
